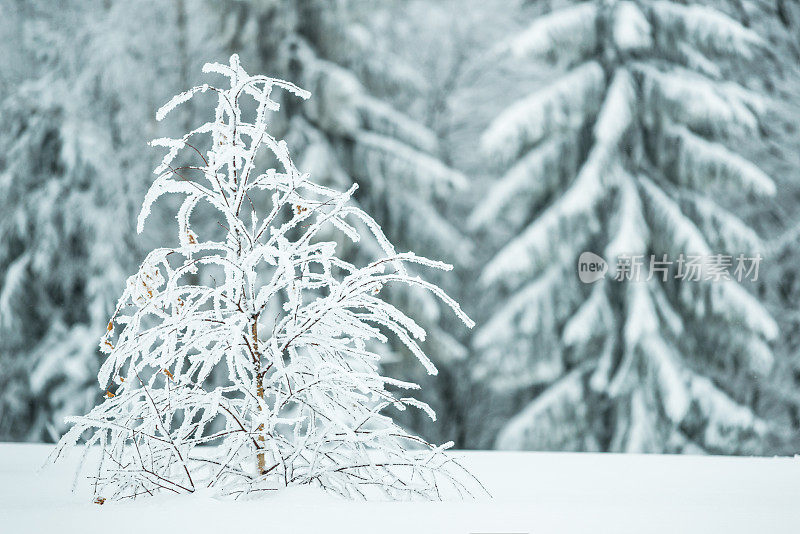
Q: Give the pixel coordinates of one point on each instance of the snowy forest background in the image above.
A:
(503, 136)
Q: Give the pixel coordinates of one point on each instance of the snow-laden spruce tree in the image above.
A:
(50, 257)
(287, 320)
(59, 257)
(72, 114)
(360, 129)
(626, 153)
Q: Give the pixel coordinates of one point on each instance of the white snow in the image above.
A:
(571, 31)
(532, 492)
(703, 161)
(531, 178)
(617, 112)
(561, 227)
(707, 28)
(631, 30)
(724, 109)
(562, 105)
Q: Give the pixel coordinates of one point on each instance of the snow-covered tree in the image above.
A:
(289, 322)
(630, 151)
(54, 258)
(58, 254)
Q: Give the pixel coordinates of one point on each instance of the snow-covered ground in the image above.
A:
(532, 492)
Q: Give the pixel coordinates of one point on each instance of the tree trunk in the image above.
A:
(260, 393)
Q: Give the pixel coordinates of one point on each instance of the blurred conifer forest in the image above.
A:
(505, 137)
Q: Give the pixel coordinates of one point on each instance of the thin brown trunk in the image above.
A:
(262, 463)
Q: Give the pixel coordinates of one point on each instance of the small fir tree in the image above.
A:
(290, 324)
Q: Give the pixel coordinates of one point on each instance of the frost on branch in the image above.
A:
(290, 326)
